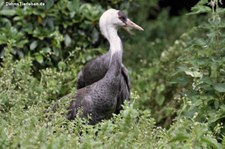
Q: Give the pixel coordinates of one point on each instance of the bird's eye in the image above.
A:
(122, 16)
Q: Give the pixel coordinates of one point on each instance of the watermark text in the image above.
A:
(20, 4)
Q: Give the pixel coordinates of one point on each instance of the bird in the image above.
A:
(97, 100)
(96, 69)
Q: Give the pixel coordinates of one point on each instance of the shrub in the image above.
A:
(204, 69)
(180, 84)
(53, 32)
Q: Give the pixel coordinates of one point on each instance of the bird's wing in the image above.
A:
(80, 80)
(126, 77)
(77, 102)
(93, 71)
(124, 93)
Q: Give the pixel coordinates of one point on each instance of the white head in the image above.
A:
(112, 19)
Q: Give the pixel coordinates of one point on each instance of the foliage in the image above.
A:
(27, 124)
(205, 71)
(189, 75)
(52, 32)
(155, 65)
(177, 77)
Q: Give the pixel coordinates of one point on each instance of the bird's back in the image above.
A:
(97, 101)
(93, 71)
(96, 69)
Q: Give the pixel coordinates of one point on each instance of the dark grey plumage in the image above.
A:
(96, 70)
(99, 100)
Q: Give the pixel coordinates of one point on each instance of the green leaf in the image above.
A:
(33, 45)
(62, 65)
(160, 99)
(67, 40)
(46, 50)
(180, 137)
(8, 12)
(211, 142)
(219, 87)
(194, 74)
(39, 58)
(73, 6)
(21, 43)
(49, 4)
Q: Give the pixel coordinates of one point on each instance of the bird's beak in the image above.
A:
(131, 24)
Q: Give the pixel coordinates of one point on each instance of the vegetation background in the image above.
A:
(177, 68)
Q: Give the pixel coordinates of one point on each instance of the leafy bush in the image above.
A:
(153, 64)
(177, 77)
(52, 32)
(204, 70)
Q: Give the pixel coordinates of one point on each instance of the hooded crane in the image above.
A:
(97, 68)
(99, 99)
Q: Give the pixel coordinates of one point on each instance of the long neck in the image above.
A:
(114, 42)
(116, 51)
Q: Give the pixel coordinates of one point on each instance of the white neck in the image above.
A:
(110, 33)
